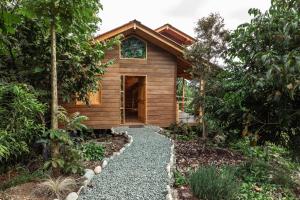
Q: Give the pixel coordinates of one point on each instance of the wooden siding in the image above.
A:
(160, 69)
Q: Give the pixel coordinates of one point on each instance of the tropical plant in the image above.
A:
(214, 184)
(69, 159)
(258, 93)
(21, 121)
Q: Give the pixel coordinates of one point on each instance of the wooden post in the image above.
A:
(177, 112)
(183, 94)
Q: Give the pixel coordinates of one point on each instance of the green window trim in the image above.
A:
(133, 47)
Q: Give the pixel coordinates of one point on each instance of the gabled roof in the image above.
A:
(155, 37)
(138, 28)
(175, 34)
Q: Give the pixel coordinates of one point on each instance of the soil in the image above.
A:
(192, 154)
(28, 191)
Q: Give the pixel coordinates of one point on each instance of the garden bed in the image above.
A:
(27, 180)
(194, 153)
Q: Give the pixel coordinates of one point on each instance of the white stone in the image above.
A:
(72, 196)
(80, 189)
(98, 170)
(169, 197)
(104, 163)
(116, 153)
(89, 174)
(85, 183)
(122, 150)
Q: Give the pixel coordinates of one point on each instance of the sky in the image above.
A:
(183, 14)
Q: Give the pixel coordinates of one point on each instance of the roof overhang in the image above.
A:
(180, 37)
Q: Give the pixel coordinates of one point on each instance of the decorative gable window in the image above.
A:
(133, 47)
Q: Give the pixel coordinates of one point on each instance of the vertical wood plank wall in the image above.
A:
(160, 69)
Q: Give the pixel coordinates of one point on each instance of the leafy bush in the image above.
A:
(180, 179)
(214, 184)
(258, 93)
(180, 128)
(69, 160)
(93, 151)
(70, 157)
(21, 121)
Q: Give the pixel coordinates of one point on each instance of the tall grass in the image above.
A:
(210, 183)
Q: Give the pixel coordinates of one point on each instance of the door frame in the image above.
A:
(123, 93)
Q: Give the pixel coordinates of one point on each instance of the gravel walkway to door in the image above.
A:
(139, 173)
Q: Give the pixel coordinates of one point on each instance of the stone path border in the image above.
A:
(89, 173)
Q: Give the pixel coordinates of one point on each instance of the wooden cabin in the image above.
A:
(140, 87)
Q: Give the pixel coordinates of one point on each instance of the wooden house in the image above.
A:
(140, 87)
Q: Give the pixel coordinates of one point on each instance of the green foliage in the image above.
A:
(268, 172)
(93, 151)
(24, 176)
(214, 184)
(21, 121)
(250, 190)
(70, 157)
(180, 128)
(180, 179)
(25, 50)
(258, 93)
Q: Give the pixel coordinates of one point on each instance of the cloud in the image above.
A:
(186, 8)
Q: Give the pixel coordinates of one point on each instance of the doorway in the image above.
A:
(134, 100)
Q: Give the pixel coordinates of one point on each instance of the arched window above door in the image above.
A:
(133, 47)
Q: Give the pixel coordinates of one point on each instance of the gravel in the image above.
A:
(138, 173)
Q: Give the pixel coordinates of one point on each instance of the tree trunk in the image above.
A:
(202, 93)
(54, 99)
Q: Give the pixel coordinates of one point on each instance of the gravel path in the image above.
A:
(138, 173)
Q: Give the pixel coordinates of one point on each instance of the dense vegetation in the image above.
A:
(251, 104)
(35, 36)
(258, 92)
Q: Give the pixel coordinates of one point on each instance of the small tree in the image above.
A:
(75, 19)
(206, 53)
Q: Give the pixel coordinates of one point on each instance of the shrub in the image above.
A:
(92, 151)
(211, 183)
(21, 121)
(70, 158)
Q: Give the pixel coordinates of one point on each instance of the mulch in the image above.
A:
(190, 155)
(28, 191)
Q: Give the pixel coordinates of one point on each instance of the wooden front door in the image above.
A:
(142, 100)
